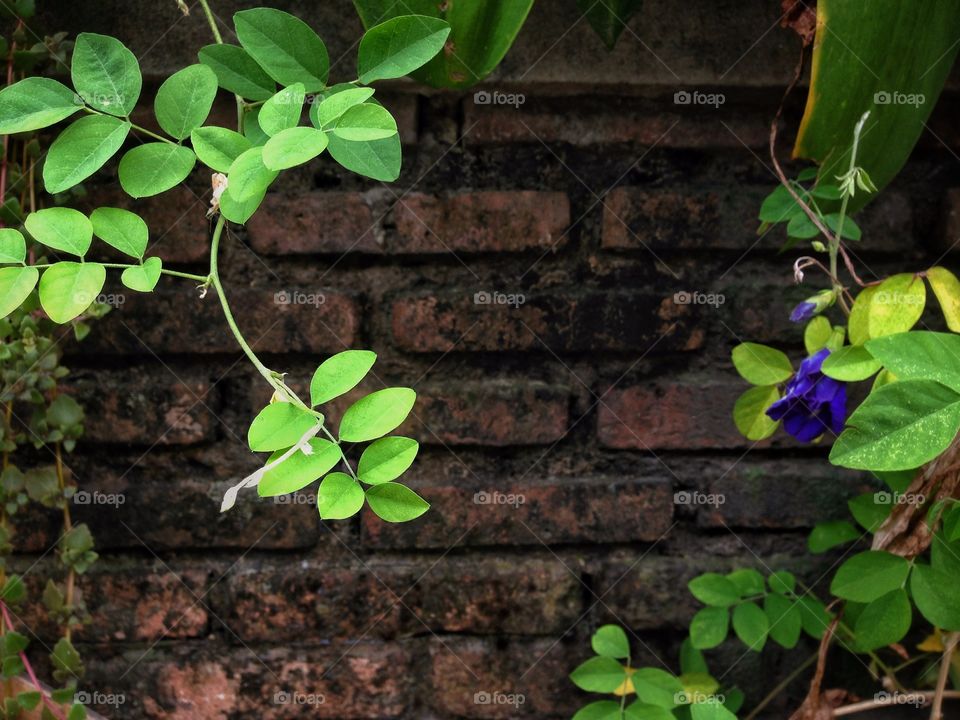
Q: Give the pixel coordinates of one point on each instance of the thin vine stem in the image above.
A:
(124, 266)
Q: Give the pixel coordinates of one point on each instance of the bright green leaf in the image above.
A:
(143, 278)
(750, 412)
(782, 582)
(611, 641)
(35, 103)
(850, 364)
(376, 414)
(714, 589)
(748, 581)
(299, 470)
(121, 229)
(69, 288)
(784, 619)
(751, 625)
(709, 627)
(364, 123)
(828, 535)
(936, 597)
(185, 99)
(858, 324)
(237, 72)
(335, 105)
(284, 46)
(400, 46)
(884, 621)
(816, 334)
(62, 229)
(16, 284)
(599, 674)
(218, 147)
(897, 305)
(82, 149)
(920, 355)
(279, 425)
(155, 168)
(761, 365)
(339, 497)
(293, 147)
(869, 575)
(386, 459)
(377, 159)
(13, 247)
(106, 74)
(339, 374)
(248, 177)
(600, 710)
(657, 687)
(946, 287)
(282, 111)
(396, 503)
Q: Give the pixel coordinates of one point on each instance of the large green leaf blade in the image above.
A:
(884, 621)
(920, 355)
(377, 159)
(292, 147)
(185, 99)
(155, 168)
(69, 288)
(249, 177)
(237, 72)
(386, 459)
(376, 414)
(284, 46)
(399, 46)
(106, 74)
(396, 503)
(35, 103)
(339, 374)
(899, 426)
(869, 575)
(279, 426)
(339, 497)
(61, 229)
(299, 470)
(218, 147)
(124, 230)
(81, 150)
(16, 284)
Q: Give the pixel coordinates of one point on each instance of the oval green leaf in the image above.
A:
(284, 46)
(884, 621)
(896, 305)
(751, 625)
(82, 149)
(850, 364)
(106, 74)
(283, 110)
(16, 284)
(335, 105)
(237, 72)
(750, 412)
(248, 177)
(339, 497)
(709, 627)
(13, 246)
(185, 99)
(366, 122)
(35, 103)
(69, 288)
(396, 503)
(610, 641)
(143, 278)
(387, 459)
(293, 147)
(869, 575)
(377, 159)
(946, 287)
(124, 230)
(279, 426)
(155, 168)
(339, 374)
(761, 365)
(377, 414)
(61, 229)
(400, 46)
(299, 470)
(218, 147)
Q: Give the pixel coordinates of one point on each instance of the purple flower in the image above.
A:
(803, 312)
(813, 403)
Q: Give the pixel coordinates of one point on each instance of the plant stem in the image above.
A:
(67, 527)
(212, 21)
(782, 686)
(124, 266)
(950, 643)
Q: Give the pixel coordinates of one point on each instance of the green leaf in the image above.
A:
(121, 229)
(608, 18)
(13, 247)
(884, 621)
(601, 710)
(780, 206)
(144, 277)
(714, 589)
(366, 122)
(293, 147)
(239, 212)
(899, 427)
(396, 503)
(387, 459)
(155, 168)
(400, 46)
(691, 659)
(376, 414)
(816, 334)
(611, 641)
(185, 99)
(284, 46)
(377, 159)
(81, 150)
(784, 619)
(61, 229)
(279, 425)
(858, 324)
(850, 364)
(869, 510)
(897, 305)
(709, 627)
(249, 178)
(802, 227)
(69, 288)
(16, 284)
(599, 674)
(77, 712)
(761, 365)
(35, 103)
(851, 231)
(339, 497)
(814, 616)
(750, 412)
(106, 74)
(251, 127)
(936, 597)
(748, 581)
(335, 105)
(64, 411)
(656, 687)
(237, 72)
(946, 287)
(751, 625)
(299, 470)
(218, 147)
(282, 111)
(920, 355)
(782, 582)
(868, 575)
(711, 710)
(339, 374)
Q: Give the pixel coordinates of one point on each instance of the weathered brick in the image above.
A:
(476, 322)
(949, 235)
(177, 321)
(149, 406)
(530, 512)
(669, 414)
(313, 223)
(491, 221)
(314, 604)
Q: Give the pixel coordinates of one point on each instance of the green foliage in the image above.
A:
(154, 168)
(185, 99)
(750, 412)
(143, 278)
(395, 503)
(121, 229)
(761, 365)
(279, 426)
(339, 497)
(340, 374)
(61, 229)
(81, 150)
(292, 147)
(608, 18)
(300, 469)
(67, 289)
(217, 148)
(386, 459)
(106, 74)
(35, 103)
(376, 414)
(869, 575)
(237, 72)
(284, 47)
(399, 46)
(282, 111)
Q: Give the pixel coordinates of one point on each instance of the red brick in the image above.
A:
(529, 512)
(155, 406)
(694, 413)
(949, 236)
(491, 221)
(314, 223)
(544, 322)
(176, 320)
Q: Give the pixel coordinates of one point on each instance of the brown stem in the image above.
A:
(950, 643)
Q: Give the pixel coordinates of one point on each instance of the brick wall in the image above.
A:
(580, 412)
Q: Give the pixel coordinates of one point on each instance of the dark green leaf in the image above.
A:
(185, 99)
(81, 150)
(155, 168)
(284, 46)
(106, 74)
